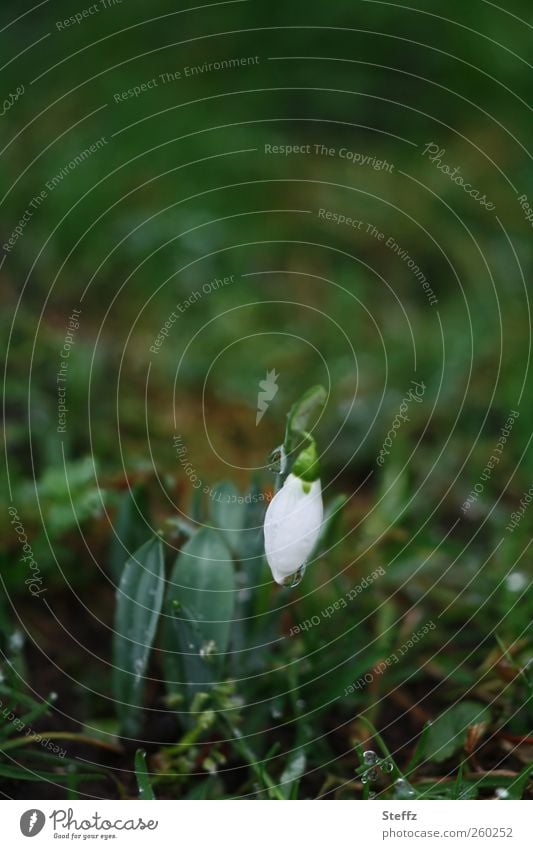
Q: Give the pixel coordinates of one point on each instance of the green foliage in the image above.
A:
(22, 752)
(228, 513)
(143, 779)
(258, 691)
(448, 733)
(130, 529)
(291, 775)
(198, 613)
(69, 496)
(304, 413)
(139, 601)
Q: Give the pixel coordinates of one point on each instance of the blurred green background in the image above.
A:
(181, 192)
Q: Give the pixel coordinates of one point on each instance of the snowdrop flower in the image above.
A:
(294, 518)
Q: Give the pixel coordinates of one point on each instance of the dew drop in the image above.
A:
(293, 580)
(370, 775)
(16, 641)
(277, 461)
(370, 757)
(138, 668)
(516, 581)
(208, 648)
(387, 766)
(403, 790)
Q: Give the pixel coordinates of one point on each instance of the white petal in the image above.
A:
(292, 526)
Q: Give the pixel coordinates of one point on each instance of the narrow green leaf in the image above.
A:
(141, 772)
(199, 610)
(139, 601)
(517, 786)
(28, 774)
(228, 510)
(308, 406)
(392, 499)
(39, 710)
(331, 524)
(293, 772)
(131, 529)
(418, 753)
(254, 517)
(252, 555)
(17, 697)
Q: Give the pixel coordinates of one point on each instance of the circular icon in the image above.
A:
(32, 822)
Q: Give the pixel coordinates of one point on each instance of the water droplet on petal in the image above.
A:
(277, 461)
(293, 580)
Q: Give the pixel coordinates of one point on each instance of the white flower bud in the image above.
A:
(292, 526)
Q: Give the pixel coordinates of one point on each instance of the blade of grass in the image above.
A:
(142, 775)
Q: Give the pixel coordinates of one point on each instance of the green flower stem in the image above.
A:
(306, 466)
